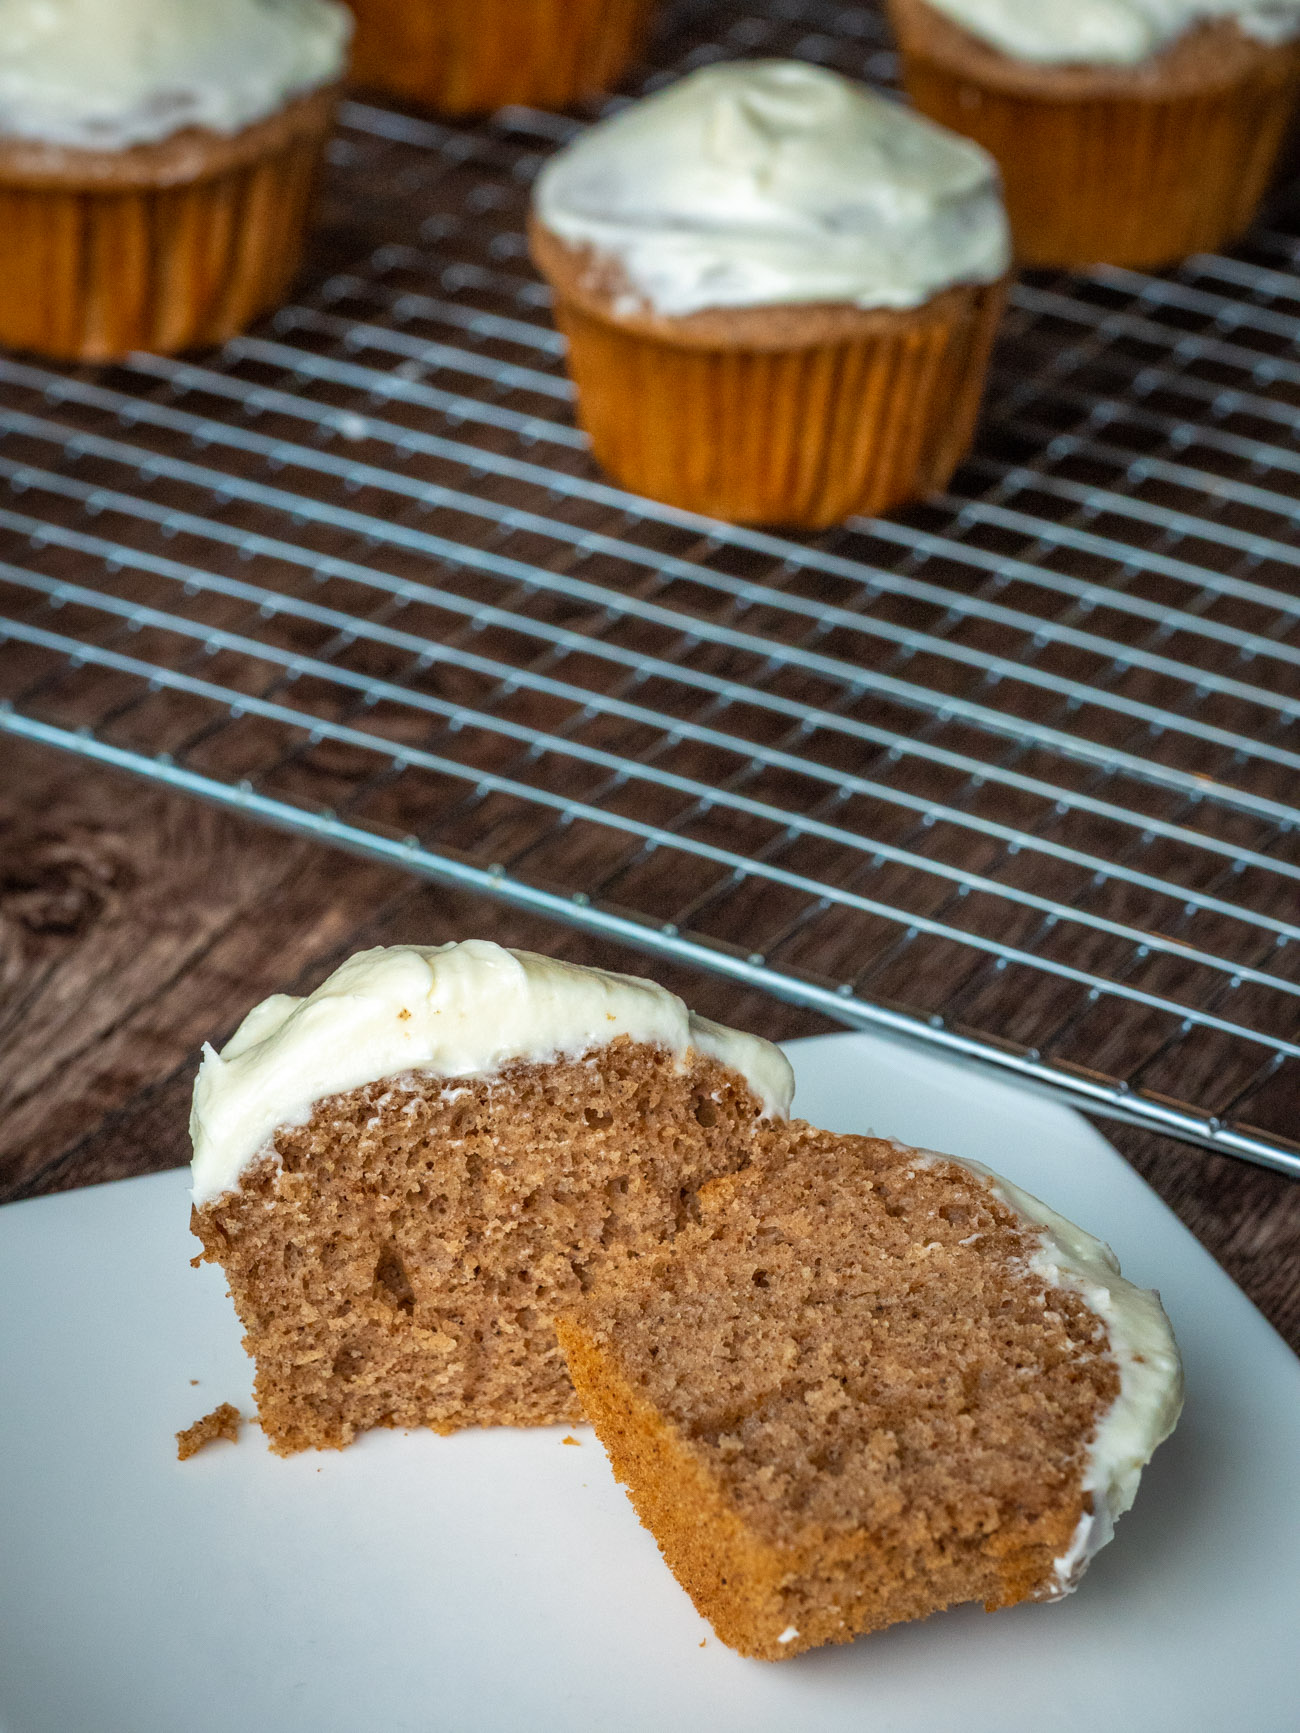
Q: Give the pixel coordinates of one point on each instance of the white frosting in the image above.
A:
(460, 1010)
(1142, 1343)
(105, 74)
(769, 182)
(1108, 32)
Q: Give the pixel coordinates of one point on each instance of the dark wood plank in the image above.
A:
(135, 924)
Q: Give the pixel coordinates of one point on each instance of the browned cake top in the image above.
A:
(195, 153)
(597, 283)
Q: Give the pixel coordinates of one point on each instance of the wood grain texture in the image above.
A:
(135, 924)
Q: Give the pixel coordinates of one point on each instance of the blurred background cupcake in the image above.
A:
(779, 292)
(473, 56)
(156, 165)
(1129, 132)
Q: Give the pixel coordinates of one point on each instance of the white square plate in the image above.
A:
(500, 1581)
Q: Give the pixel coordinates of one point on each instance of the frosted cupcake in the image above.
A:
(473, 56)
(779, 291)
(156, 165)
(1129, 132)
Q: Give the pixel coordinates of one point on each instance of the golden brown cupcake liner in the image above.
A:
(799, 436)
(1126, 179)
(473, 56)
(165, 247)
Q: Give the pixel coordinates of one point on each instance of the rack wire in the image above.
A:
(1013, 773)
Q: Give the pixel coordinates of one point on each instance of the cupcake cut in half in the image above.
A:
(1129, 132)
(846, 1383)
(870, 1383)
(157, 159)
(779, 292)
(474, 56)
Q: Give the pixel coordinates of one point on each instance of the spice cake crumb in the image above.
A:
(223, 1422)
(846, 1396)
(846, 1383)
(397, 1260)
(405, 1174)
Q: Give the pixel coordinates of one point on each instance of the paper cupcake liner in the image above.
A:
(474, 56)
(801, 437)
(94, 271)
(1122, 180)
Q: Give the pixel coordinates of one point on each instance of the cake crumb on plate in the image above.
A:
(223, 1422)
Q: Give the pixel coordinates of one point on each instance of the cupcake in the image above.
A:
(779, 291)
(156, 165)
(1129, 132)
(473, 56)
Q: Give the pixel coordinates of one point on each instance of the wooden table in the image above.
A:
(136, 924)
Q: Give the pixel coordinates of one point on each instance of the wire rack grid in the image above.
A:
(1013, 773)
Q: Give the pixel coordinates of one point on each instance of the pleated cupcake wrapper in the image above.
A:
(92, 274)
(800, 437)
(1120, 180)
(474, 56)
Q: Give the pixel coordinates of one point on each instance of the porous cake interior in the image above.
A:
(842, 1399)
(398, 1259)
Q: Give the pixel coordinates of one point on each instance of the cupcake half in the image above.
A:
(473, 56)
(779, 291)
(1129, 132)
(156, 165)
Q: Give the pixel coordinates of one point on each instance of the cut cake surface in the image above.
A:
(846, 1383)
(405, 1174)
(398, 1259)
(847, 1396)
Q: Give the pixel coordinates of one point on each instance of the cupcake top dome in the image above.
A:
(105, 74)
(767, 182)
(1109, 32)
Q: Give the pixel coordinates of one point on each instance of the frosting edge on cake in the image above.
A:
(775, 182)
(460, 1010)
(90, 75)
(1142, 1343)
(1109, 32)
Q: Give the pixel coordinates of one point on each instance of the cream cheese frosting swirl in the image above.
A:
(1109, 32)
(107, 74)
(450, 1011)
(771, 182)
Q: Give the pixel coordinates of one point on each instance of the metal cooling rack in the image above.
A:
(1014, 774)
